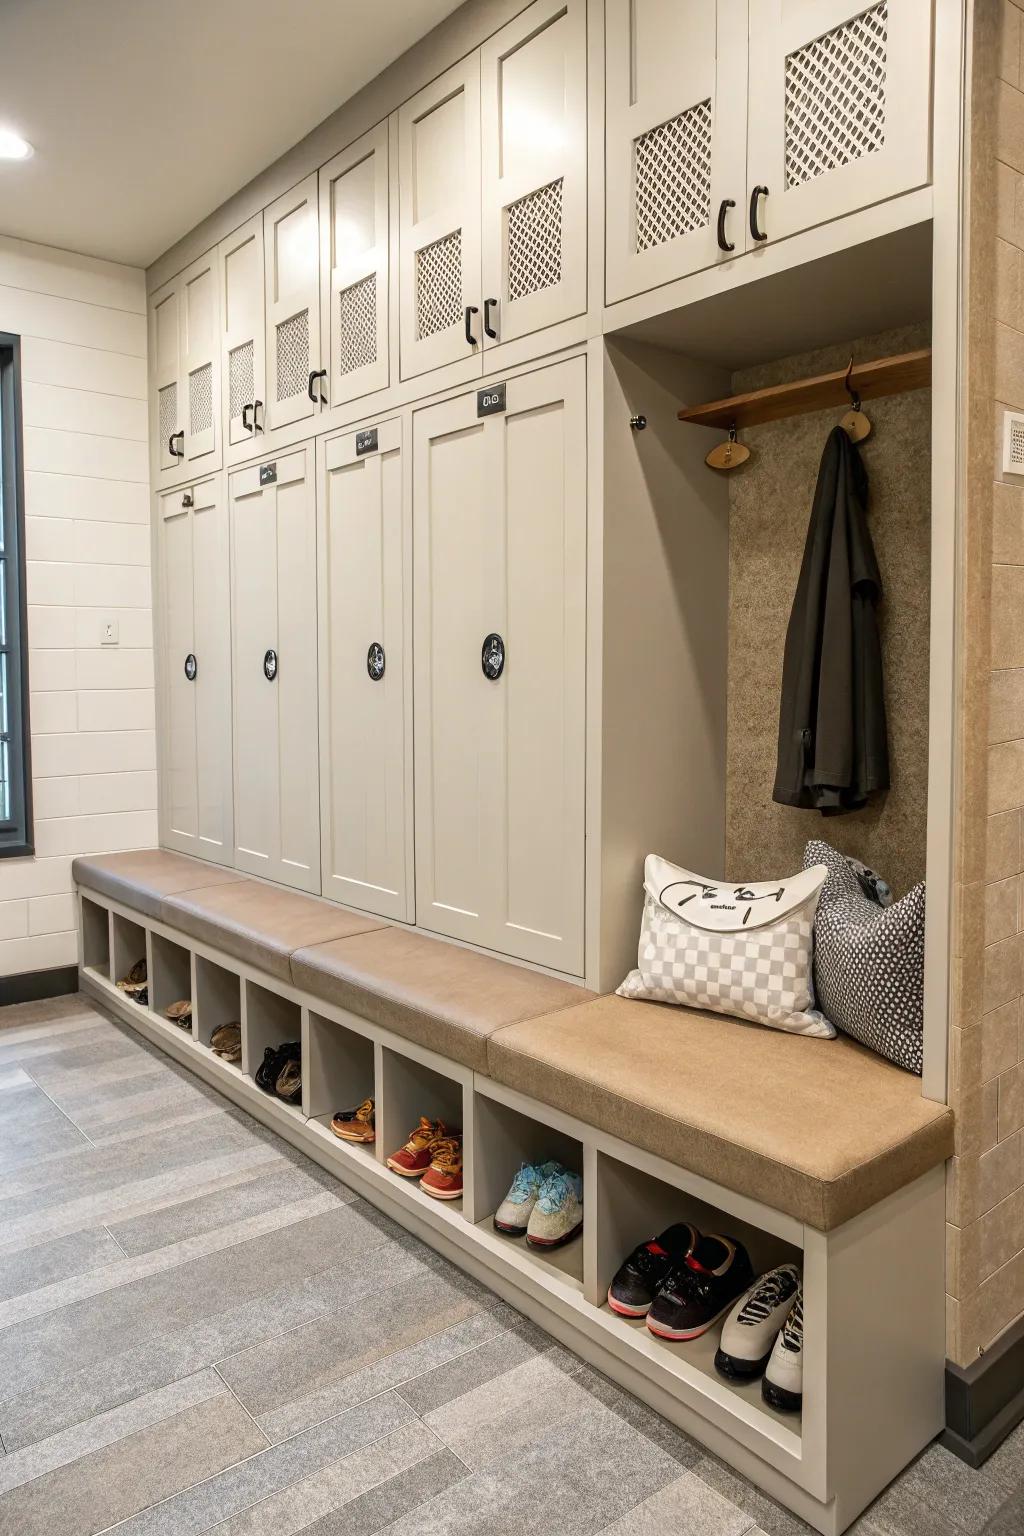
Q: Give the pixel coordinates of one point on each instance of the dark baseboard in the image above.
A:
(34, 986)
(985, 1400)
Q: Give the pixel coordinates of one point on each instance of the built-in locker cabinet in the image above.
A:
(839, 108)
(439, 221)
(533, 101)
(354, 268)
(274, 669)
(676, 124)
(243, 338)
(499, 507)
(295, 381)
(365, 692)
(195, 670)
(167, 429)
(199, 315)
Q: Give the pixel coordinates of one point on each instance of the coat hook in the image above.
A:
(855, 424)
(638, 423)
(728, 455)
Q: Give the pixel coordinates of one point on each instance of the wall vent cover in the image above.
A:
(534, 241)
(241, 379)
(672, 177)
(357, 325)
(1013, 443)
(835, 97)
(293, 356)
(439, 285)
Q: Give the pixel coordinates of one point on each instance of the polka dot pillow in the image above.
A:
(869, 961)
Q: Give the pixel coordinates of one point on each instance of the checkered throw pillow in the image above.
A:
(744, 950)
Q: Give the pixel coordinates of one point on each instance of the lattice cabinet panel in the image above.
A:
(355, 267)
(200, 399)
(676, 116)
(243, 337)
(357, 325)
(533, 114)
(296, 386)
(167, 415)
(292, 353)
(840, 100)
(439, 285)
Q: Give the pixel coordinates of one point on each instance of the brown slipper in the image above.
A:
(180, 1013)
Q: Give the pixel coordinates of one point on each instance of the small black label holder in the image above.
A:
(490, 401)
(366, 442)
(268, 474)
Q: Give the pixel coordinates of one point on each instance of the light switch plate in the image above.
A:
(108, 632)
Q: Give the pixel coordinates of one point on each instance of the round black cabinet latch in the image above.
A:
(270, 666)
(191, 667)
(492, 657)
(375, 661)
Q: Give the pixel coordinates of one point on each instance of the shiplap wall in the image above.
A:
(83, 329)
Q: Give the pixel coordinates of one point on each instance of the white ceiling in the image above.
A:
(145, 115)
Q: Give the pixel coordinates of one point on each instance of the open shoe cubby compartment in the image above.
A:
(129, 946)
(170, 977)
(95, 938)
(269, 1020)
(338, 1065)
(217, 1000)
(409, 1089)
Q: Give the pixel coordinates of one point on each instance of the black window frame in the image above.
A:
(16, 832)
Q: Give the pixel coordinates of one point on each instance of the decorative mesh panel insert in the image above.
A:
(241, 383)
(200, 398)
(672, 177)
(439, 285)
(835, 97)
(357, 324)
(293, 356)
(535, 241)
(168, 413)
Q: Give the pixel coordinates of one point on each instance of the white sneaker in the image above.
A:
(753, 1324)
(558, 1215)
(783, 1383)
(513, 1214)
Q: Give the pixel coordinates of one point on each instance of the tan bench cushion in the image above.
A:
(260, 924)
(821, 1129)
(445, 998)
(142, 878)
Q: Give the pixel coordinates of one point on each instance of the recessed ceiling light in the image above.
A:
(13, 146)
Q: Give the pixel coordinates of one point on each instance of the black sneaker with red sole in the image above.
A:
(640, 1277)
(701, 1290)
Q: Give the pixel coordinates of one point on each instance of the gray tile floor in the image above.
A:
(201, 1331)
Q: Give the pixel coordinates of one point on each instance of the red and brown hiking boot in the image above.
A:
(413, 1160)
(443, 1179)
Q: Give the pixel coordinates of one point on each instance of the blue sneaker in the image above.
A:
(557, 1216)
(513, 1214)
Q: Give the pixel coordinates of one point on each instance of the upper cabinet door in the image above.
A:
(243, 332)
(199, 315)
(439, 221)
(365, 697)
(167, 422)
(295, 387)
(676, 114)
(839, 108)
(533, 84)
(354, 268)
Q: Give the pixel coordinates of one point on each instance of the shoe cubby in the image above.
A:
(503, 1139)
(269, 1020)
(170, 976)
(628, 1207)
(339, 1074)
(408, 1088)
(217, 999)
(129, 945)
(96, 938)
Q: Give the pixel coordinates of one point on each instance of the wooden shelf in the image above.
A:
(884, 376)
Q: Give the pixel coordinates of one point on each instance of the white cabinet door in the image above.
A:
(354, 268)
(533, 99)
(439, 221)
(167, 421)
(199, 311)
(273, 578)
(500, 662)
(195, 671)
(295, 385)
(839, 107)
(676, 115)
(365, 753)
(243, 336)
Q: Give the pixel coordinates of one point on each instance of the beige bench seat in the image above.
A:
(443, 997)
(821, 1129)
(144, 876)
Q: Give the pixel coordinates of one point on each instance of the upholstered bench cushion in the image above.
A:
(143, 877)
(445, 998)
(260, 924)
(822, 1129)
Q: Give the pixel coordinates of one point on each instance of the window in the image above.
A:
(15, 763)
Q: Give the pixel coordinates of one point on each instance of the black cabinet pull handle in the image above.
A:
(723, 210)
(257, 405)
(191, 667)
(375, 662)
(270, 666)
(247, 425)
(489, 330)
(471, 310)
(755, 232)
(176, 453)
(320, 398)
(492, 657)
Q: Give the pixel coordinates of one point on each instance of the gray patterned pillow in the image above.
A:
(869, 962)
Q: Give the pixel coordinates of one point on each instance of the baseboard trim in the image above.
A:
(985, 1400)
(36, 986)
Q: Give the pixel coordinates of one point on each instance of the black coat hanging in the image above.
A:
(833, 745)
